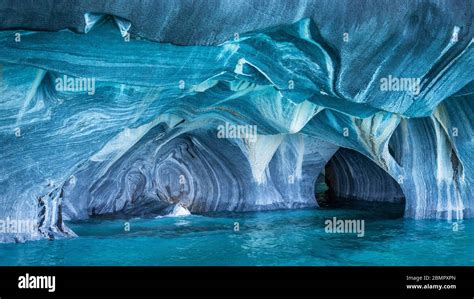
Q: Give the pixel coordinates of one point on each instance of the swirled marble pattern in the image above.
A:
(305, 74)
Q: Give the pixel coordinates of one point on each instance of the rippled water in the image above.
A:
(265, 238)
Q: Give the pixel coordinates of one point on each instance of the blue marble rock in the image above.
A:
(116, 109)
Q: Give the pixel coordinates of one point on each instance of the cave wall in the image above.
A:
(201, 172)
(353, 176)
(156, 107)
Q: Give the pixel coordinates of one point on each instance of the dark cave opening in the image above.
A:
(352, 181)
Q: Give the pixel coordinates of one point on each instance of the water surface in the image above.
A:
(294, 237)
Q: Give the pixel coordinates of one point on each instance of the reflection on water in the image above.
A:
(263, 238)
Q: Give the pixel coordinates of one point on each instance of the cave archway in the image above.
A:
(350, 180)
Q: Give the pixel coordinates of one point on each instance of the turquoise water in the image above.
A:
(294, 237)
